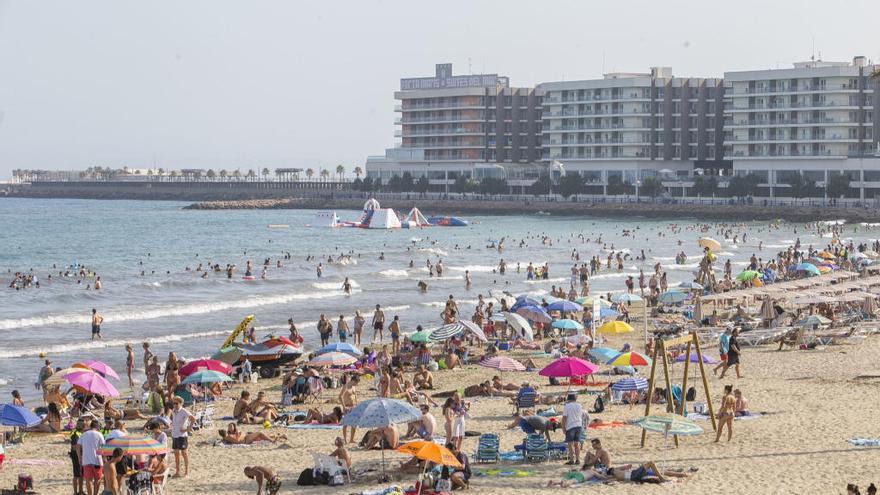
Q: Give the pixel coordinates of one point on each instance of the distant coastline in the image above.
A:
(336, 196)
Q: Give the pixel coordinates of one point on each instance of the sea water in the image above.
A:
(176, 309)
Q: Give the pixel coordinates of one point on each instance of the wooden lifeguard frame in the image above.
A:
(660, 347)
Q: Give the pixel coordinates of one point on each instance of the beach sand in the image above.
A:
(813, 399)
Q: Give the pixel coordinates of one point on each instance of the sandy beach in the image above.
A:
(812, 400)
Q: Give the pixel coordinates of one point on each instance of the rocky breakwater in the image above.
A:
(455, 205)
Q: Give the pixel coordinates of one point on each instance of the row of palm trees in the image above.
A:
(108, 173)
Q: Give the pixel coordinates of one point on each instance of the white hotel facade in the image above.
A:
(815, 119)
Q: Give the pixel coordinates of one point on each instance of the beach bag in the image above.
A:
(599, 405)
(699, 408)
(306, 478)
(554, 380)
(691, 394)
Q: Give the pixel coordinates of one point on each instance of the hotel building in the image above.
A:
(815, 118)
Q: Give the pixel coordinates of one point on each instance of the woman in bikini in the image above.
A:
(232, 436)
(172, 378)
(51, 423)
(315, 416)
(726, 413)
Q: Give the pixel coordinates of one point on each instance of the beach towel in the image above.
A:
(241, 445)
(315, 426)
(513, 473)
(865, 442)
(35, 462)
(514, 456)
(706, 416)
(613, 424)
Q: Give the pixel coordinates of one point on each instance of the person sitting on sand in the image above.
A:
(241, 410)
(232, 436)
(534, 424)
(741, 407)
(263, 475)
(423, 428)
(314, 415)
(382, 438)
(51, 423)
(341, 452)
(598, 461)
(414, 396)
(262, 409)
(451, 359)
(423, 378)
(413, 466)
(112, 412)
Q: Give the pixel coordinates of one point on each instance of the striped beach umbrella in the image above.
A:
(332, 359)
(503, 363)
(629, 359)
(446, 332)
(630, 384)
(669, 424)
(132, 445)
(205, 364)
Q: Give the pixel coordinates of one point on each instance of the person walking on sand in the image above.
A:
(129, 363)
(378, 323)
(96, 324)
(732, 354)
(726, 413)
(181, 425)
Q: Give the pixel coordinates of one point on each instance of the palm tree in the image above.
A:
(236, 174)
(223, 173)
(358, 172)
(265, 172)
(211, 174)
(310, 173)
(325, 174)
(251, 174)
(340, 171)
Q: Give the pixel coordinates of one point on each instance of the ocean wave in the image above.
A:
(472, 268)
(602, 276)
(436, 251)
(391, 273)
(103, 344)
(134, 313)
(333, 285)
(5, 381)
(549, 280)
(686, 266)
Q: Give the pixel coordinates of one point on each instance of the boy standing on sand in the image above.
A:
(181, 423)
(378, 323)
(96, 324)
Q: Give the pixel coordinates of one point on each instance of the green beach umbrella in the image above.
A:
(747, 275)
(420, 337)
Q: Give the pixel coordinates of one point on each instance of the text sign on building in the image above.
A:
(475, 81)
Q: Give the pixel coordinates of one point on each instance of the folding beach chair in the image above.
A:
(525, 401)
(536, 448)
(487, 448)
(315, 388)
(331, 465)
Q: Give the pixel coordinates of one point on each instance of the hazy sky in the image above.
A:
(227, 84)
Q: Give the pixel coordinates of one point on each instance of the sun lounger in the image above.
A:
(536, 448)
(487, 448)
(525, 401)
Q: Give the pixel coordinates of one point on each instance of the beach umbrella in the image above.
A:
(205, 364)
(608, 313)
(343, 347)
(446, 332)
(98, 367)
(588, 301)
(630, 384)
(521, 325)
(92, 383)
(564, 306)
(826, 255)
(502, 363)
(534, 313)
(206, 376)
(814, 320)
(506, 299)
(808, 268)
(578, 338)
(228, 355)
(602, 354)
(474, 329)
(615, 327)
(668, 424)
(694, 359)
(17, 416)
(627, 297)
(569, 366)
(746, 275)
(629, 359)
(566, 324)
(332, 359)
(690, 286)
(430, 452)
(380, 413)
(132, 445)
(57, 377)
(708, 242)
(420, 337)
(672, 297)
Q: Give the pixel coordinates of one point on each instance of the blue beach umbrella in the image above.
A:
(566, 324)
(565, 306)
(344, 347)
(608, 313)
(603, 354)
(630, 384)
(627, 298)
(809, 268)
(690, 286)
(534, 313)
(379, 413)
(672, 297)
(17, 416)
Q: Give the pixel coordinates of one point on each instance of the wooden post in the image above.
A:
(705, 381)
(669, 402)
(684, 383)
(657, 343)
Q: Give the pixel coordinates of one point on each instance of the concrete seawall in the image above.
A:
(454, 206)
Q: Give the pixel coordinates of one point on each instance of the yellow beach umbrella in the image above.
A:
(615, 327)
(708, 242)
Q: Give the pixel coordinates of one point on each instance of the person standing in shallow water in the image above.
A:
(96, 324)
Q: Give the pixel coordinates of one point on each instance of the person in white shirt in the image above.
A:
(573, 420)
(181, 423)
(87, 450)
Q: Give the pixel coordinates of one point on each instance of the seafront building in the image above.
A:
(816, 118)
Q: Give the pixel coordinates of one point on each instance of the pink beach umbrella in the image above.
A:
(205, 364)
(503, 363)
(569, 366)
(92, 383)
(98, 367)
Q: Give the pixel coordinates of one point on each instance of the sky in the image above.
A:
(264, 83)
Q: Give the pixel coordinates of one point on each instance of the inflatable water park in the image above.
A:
(376, 217)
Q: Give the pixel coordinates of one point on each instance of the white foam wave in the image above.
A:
(602, 276)
(472, 268)
(549, 280)
(686, 266)
(436, 251)
(333, 285)
(394, 273)
(137, 313)
(5, 381)
(103, 344)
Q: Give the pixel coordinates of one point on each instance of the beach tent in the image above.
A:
(325, 219)
(383, 218)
